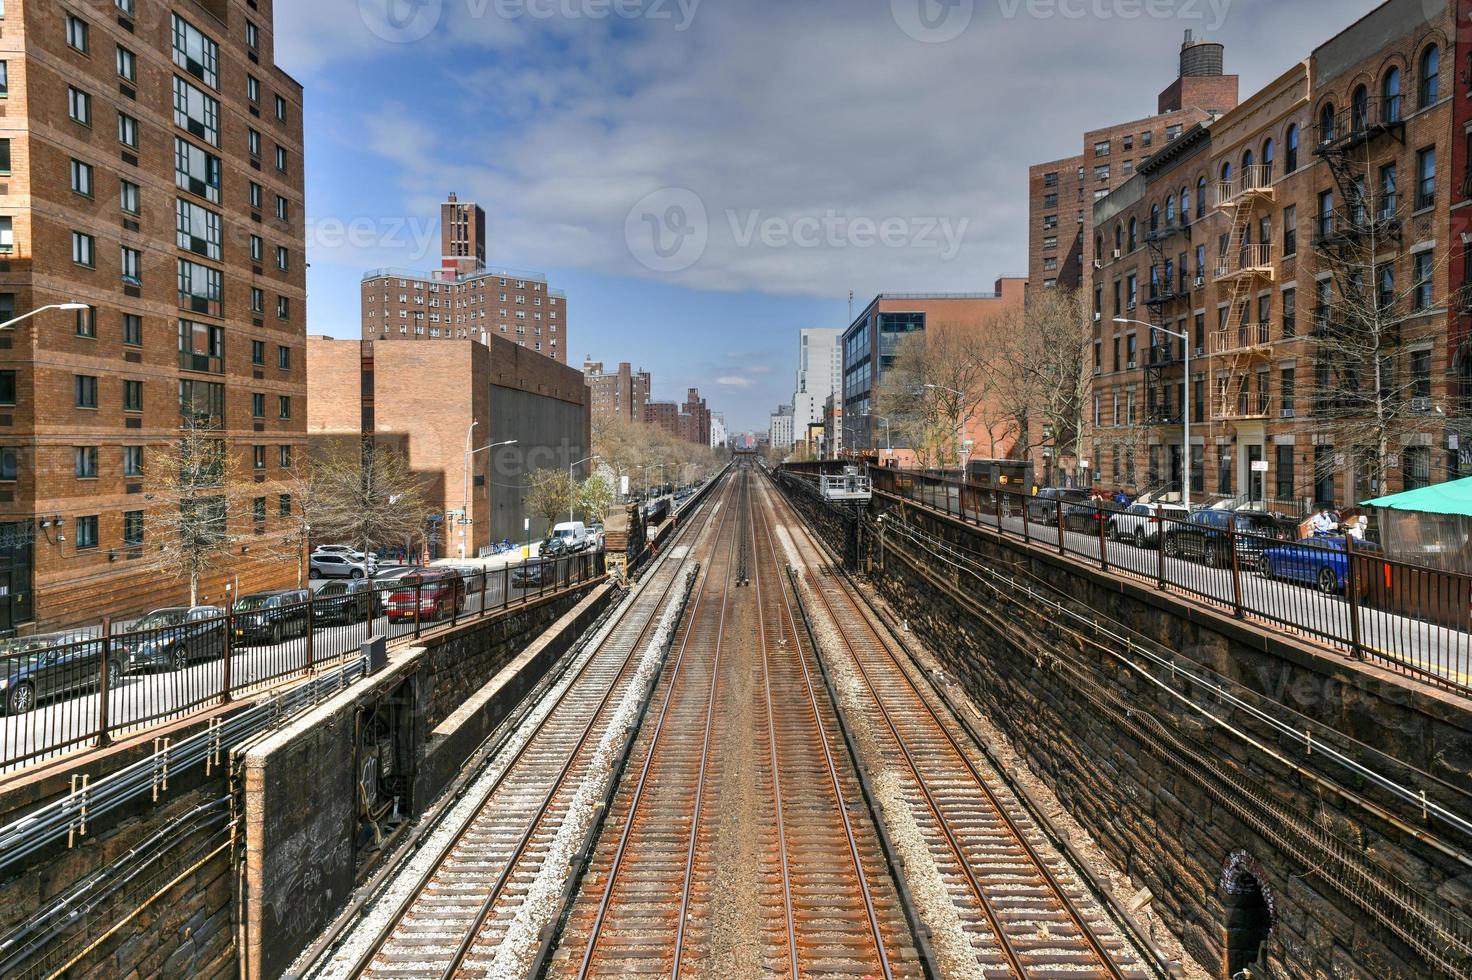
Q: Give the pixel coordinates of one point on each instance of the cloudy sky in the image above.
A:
(704, 177)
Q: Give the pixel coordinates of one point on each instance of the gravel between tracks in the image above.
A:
(398, 889)
(927, 885)
(513, 958)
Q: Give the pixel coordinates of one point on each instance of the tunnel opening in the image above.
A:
(1248, 906)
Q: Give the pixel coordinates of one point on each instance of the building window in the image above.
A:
(1288, 385)
(132, 396)
(201, 347)
(283, 406)
(86, 322)
(253, 142)
(1290, 231)
(1421, 295)
(283, 358)
(258, 457)
(81, 178)
(9, 463)
(1290, 157)
(283, 457)
(258, 352)
(281, 159)
(1326, 214)
(255, 195)
(196, 171)
(1172, 131)
(79, 106)
(86, 532)
(257, 300)
(257, 248)
(130, 262)
(1290, 314)
(1284, 477)
(82, 249)
(127, 130)
(196, 112)
(202, 403)
(200, 288)
(84, 386)
(4, 78)
(253, 88)
(129, 197)
(4, 156)
(258, 510)
(280, 109)
(283, 504)
(283, 308)
(283, 258)
(257, 405)
(84, 461)
(199, 230)
(1426, 178)
(7, 387)
(196, 53)
(252, 36)
(1430, 87)
(78, 34)
(282, 209)
(132, 330)
(132, 461)
(1421, 374)
(127, 64)
(132, 528)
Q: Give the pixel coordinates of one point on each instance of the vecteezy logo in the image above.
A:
(933, 21)
(667, 231)
(401, 21)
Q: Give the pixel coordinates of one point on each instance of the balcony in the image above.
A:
(1352, 226)
(1359, 124)
(1251, 183)
(1163, 356)
(1246, 260)
(1244, 338)
(1238, 407)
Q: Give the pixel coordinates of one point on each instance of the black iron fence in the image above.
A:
(1334, 589)
(89, 686)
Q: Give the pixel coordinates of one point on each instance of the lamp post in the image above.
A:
(465, 519)
(1185, 403)
(883, 420)
(8, 324)
(573, 480)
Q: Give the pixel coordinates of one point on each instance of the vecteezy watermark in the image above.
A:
(834, 230)
(938, 21)
(668, 230)
(401, 21)
(933, 21)
(681, 12)
(412, 239)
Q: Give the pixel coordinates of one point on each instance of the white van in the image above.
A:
(572, 534)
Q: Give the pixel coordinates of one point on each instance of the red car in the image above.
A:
(440, 593)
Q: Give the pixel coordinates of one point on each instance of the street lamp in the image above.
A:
(1185, 402)
(573, 480)
(884, 420)
(465, 518)
(42, 309)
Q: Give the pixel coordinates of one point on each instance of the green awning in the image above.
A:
(1443, 498)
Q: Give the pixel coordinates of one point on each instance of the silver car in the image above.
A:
(326, 565)
(1140, 524)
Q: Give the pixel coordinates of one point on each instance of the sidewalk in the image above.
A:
(493, 562)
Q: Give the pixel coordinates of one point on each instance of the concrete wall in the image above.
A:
(1182, 801)
(302, 852)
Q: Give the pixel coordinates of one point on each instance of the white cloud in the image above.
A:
(734, 381)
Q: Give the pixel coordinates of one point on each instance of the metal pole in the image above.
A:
(465, 494)
(229, 651)
(418, 598)
(1186, 416)
(312, 627)
(1058, 516)
(1236, 567)
(1352, 594)
(103, 682)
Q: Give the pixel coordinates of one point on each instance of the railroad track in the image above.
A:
(743, 727)
(1023, 910)
(459, 909)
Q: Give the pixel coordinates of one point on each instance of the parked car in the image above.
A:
(1088, 516)
(553, 548)
(572, 534)
(440, 591)
(531, 574)
(342, 566)
(174, 638)
(1204, 537)
(1141, 523)
(351, 601)
(34, 668)
(346, 550)
(271, 617)
(1043, 507)
(473, 576)
(1319, 561)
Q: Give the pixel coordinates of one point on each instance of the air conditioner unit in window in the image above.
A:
(1420, 404)
(1200, 281)
(1200, 352)
(1118, 253)
(1288, 413)
(1098, 263)
(1098, 316)
(1130, 366)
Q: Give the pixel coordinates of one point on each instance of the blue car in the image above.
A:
(1320, 562)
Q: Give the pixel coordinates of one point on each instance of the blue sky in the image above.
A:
(706, 177)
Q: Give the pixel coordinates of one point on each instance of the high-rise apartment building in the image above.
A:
(1062, 193)
(819, 374)
(618, 395)
(152, 171)
(463, 299)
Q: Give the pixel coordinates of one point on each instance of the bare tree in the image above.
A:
(550, 494)
(301, 508)
(366, 494)
(1370, 387)
(1042, 359)
(194, 491)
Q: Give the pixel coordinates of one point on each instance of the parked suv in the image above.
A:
(1204, 537)
(331, 565)
(1141, 523)
(173, 638)
(271, 617)
(352, 601)
(36, 667)
(441, 593)
(1043, 508)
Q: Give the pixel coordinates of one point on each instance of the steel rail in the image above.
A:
(363, 963)
(605, 901)
(1034, 858)
(832, 768)
(493, 896)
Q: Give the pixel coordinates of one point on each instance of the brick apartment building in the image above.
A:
(1061, 193)
(1459, 270)
(689, 422)
(435, 400)
(1328, 184)
(619, 395)
(463, 299)
(869, 345)
(152, 170)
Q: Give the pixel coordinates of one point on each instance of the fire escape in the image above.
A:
(1169, 291)
(1244, 267)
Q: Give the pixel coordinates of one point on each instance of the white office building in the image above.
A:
(819, 374)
